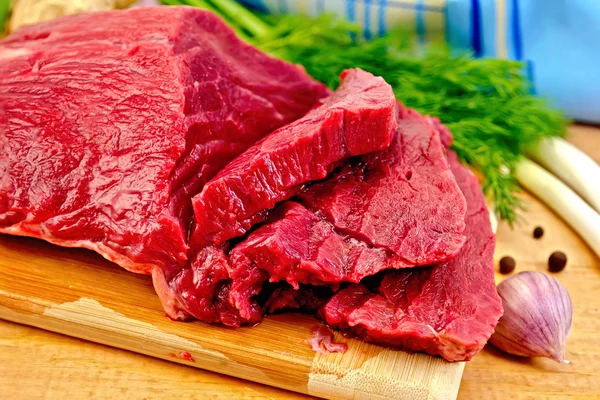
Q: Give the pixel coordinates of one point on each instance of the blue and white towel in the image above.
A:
(559, 40)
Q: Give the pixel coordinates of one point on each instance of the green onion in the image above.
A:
(564, 201)
(4, 11)
(571, 165)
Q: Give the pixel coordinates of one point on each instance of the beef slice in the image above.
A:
(404, 200)
(449, 309)
(357, 119)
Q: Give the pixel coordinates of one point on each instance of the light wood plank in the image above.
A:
(37, 364)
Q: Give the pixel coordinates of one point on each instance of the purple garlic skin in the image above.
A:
(537, 319)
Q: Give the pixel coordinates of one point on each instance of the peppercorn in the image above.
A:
(557, 261)
(538, 232)
(507, 265)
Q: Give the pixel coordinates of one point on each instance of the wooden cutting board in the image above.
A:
(78, 293)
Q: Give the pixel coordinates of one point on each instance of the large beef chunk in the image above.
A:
(450, 309)
(404, 199)
(110, 122)
(357, 119)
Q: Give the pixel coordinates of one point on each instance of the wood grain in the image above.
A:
(500, 376)
(37, 364)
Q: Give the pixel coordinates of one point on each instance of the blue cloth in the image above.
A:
(558, 40)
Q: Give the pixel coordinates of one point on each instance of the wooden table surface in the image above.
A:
(36, 364)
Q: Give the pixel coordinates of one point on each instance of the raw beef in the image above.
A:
(112, 121)
(323, 342)
(308, 299)
(450, 309)
(404, 199)
(445, 134)
(112, 124)
(219, 289)
(425, 214)
(298, 247)
(357, 119)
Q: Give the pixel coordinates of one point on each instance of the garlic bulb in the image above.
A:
(537, 317)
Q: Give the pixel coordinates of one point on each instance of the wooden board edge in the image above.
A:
(366, 371)
(387, 374)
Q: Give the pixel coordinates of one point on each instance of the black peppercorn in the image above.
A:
(557, 261)
(507, 265)
(538, 232)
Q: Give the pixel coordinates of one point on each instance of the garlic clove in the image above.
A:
(537, 318)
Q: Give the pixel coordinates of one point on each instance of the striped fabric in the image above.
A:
(463, 23)
(425, 17)
(558, 40)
